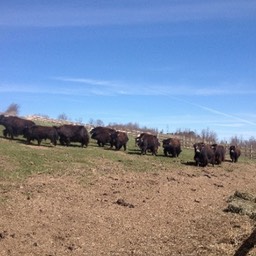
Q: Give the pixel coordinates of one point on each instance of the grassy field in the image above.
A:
(71, 194)
(20, 160)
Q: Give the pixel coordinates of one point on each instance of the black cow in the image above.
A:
(100, 129)
(138, 138)
(172, 147)
(73, 133)
(14, 126)
(39, 133)
(119, 139)
(234, 153)
(219, 153)
(102, 135)
(204, 154)
(148, 142)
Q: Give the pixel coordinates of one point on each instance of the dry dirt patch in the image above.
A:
(171, 212)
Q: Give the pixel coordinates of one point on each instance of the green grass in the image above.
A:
(19, 160)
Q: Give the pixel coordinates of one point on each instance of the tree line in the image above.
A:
(204, 135)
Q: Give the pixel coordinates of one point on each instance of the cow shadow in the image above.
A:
(189, 163)
(138, 152)
(247, 245)
(228, 161)
(23, 141)
(134, 152)
(95, 145)
(16, 139)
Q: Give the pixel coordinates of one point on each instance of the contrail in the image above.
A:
(224, 114)
(217, 112)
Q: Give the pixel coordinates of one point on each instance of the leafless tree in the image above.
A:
(236, 141)
(209, 136)
(12, 110)
(63, 117)
(97, 122)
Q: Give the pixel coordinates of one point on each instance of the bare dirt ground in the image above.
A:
(178, 211)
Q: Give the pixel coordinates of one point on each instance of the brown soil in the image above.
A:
(179, 211)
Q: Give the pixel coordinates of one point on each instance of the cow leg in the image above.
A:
(143, 151)
(118, 146)
(153, 150)
(83, 143)
(10, 132)
(5, 133)
(205, 161)
(62, 141)
(66, 141)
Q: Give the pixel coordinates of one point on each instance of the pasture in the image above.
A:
(98, 201)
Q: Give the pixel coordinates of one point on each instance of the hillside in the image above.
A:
(97, 201)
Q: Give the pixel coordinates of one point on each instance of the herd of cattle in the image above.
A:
(203, 154)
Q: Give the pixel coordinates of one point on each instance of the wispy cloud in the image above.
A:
(124, 88)
(39, 89)
(232, 125)
(88, 86)
(92, 86)
(72, 87)
(77, 13)
(217, 112)
(20, 88)
(217, 120)
(85, 81)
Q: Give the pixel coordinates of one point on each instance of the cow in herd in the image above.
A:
(106, 135)
(14, 126)
(39, 133)
(73, 133)
(172, 147)
(147, 142)
(234, 153)
(102, 135)
(204, 154)
(213, 154)
(119, 139)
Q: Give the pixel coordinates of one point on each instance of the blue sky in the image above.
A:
(162, 64)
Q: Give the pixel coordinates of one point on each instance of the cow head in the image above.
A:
(232, 148)
(198, 147)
